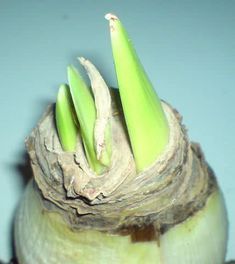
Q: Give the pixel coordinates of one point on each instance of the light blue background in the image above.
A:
(187, 47)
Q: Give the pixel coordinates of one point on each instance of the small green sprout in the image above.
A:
(86, 114)
(64, 114)
(146, 122)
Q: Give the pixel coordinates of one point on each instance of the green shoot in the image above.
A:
(64, 114)
(86, 114)
(146, 122)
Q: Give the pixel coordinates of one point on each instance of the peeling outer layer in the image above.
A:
(166, 193)
(103, 105)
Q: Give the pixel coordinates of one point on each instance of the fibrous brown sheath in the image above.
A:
(120, 200)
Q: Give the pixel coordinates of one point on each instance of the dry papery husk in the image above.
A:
(173, 188)
(121, 202)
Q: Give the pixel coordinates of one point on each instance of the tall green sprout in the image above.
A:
(146, 122)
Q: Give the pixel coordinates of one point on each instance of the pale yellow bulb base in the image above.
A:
(43, 237)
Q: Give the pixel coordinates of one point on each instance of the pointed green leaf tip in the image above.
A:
(86, 114)
(146, 122)
(66, 127)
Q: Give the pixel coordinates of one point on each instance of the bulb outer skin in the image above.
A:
(161, 215)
